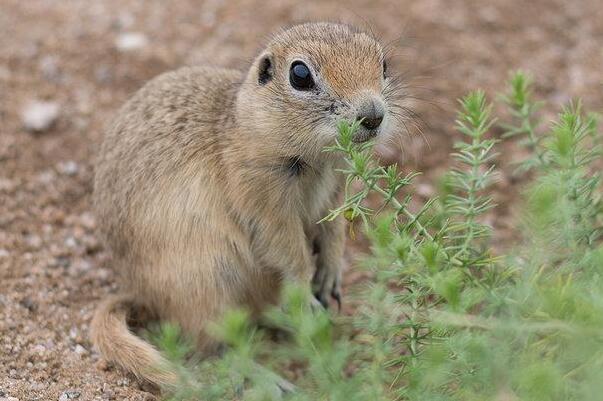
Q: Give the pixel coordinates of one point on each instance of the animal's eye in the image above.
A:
(384, 68)
(300, 76)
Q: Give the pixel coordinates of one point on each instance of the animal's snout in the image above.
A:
(371, 113)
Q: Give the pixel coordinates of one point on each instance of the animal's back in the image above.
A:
(175, 119)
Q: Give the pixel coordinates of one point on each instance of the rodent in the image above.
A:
(210, 182)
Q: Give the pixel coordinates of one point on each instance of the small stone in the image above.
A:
(36, 386)
(61, 261)
(4, 253)
(50, 68)
(102, 274)
(87, 220)
(73, 333)
(426, 190)
(29, 304)
(69, 395)
(71, 242)
(108, 394)
(46, 177)
(33, 241)
(39, 116)
(123, 382)
(91, 244)
(68, 167)
(131, 41)
(80, 267)
(80, 350)
(7, 185)
(39, 349)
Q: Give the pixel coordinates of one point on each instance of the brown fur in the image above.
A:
(199, 197)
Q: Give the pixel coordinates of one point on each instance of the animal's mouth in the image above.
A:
(364, 136)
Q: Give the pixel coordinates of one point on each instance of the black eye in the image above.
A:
(384, 68)
(300, 76)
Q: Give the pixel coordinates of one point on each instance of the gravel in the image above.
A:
(39, 116)
(131, 41)
(69, 395)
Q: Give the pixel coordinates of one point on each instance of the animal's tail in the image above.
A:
(116, 343)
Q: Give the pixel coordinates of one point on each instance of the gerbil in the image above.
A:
(210, 183)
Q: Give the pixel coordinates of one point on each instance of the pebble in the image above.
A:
(38, 386)
(131, 41)
(46, 177)
(60, 261)
(49, 67)
(91, 243)
(71, 242)
(123, 382)
(69, 395)
(80, 350)
(68, 167)
(33, 241)
(73, 333)
(39, 349)
(426, 190)
(39, 116)
(108, 394)
(87, 220)
(29, 304)
(80, 267)
(4, 253)
(9, 399)
(7, 185)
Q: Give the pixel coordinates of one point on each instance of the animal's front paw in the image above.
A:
(317, 305)
(326, 284)
(301, 299)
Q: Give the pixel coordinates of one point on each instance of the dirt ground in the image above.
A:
(87, 57)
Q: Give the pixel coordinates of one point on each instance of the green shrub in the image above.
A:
(445, 317)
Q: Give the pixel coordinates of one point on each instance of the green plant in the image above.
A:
(444, 316)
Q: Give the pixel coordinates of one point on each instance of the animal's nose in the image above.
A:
(371, 113)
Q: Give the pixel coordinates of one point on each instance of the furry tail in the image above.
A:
(116, 343)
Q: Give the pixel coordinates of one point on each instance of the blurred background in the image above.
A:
(67, 65)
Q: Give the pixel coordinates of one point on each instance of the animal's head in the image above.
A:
(312, 76)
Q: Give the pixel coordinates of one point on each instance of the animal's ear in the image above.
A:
(265, 69)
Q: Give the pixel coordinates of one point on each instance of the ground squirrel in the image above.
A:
(210, 183)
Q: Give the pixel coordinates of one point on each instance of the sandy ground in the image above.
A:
(87, 57)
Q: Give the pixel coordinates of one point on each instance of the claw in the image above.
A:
(285, 386)
(337, 297)
(317, 304)
(324, 302)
